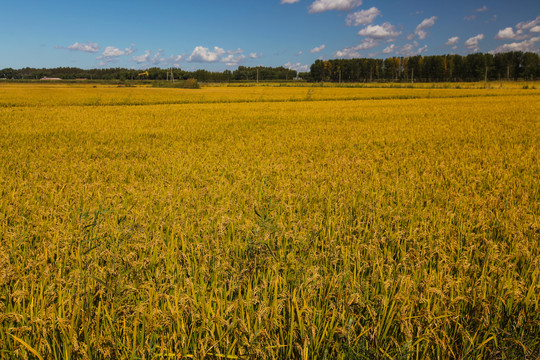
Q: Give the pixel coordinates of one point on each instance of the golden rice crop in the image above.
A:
(269, 223)
(15, 95)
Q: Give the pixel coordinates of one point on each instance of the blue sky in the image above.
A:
(223, 34)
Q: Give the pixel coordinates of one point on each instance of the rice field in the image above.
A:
(269, 222)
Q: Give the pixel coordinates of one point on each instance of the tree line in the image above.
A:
(121, 74)
(436, 68)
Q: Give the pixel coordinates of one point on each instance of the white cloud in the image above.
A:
(90, 47)
(140, 59)
(317, 49)
(362, 17)
(111, 52)
(528, 25)
(347, 53)
(469, 18)
(289, 1)
(255, 55)
(389, 49)
(299, 53)
(482, 9)
(526, 45)
(354, 51)
(156, 58)
(384, 31)
(412, 49)
(452, 41)
(521, 29)
(473, 42)
(420, 30)
(202, 54)
(427, 23)
(233, 60)
(506, 33)
(325, 5)
(173, 60)
(297, 67)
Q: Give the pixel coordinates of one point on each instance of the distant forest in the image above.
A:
(474, 67)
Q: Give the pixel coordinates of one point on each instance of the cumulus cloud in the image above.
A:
(421, 29)
(297, 67)
(233, 60)
(412, 49)
(237, 51)
(326, 5)
(532, 45)
(255, 55)
(90, 47)
(524, 26)
(524, 30)
(317, 49)
(482, 9)
(528, 25)
(362, 17)
(389, 49)
(470, 17)
(140, 59)
(473, 42)
(354, 51)
(173, 60)
(452, 42)
(150, 58)
(113, 52)
(520, 33)
(203, 54)
(384, 31)
(289, 1)
(299, 53)
(154, 59)
(506, 33)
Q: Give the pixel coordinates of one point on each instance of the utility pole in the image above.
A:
(412, 75)
(257, 75)
(340, 76)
